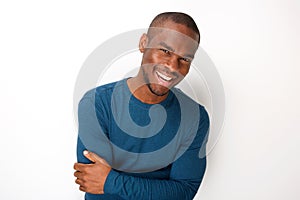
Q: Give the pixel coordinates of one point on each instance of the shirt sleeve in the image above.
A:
(92, 130)
(185, 176)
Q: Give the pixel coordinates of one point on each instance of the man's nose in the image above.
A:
(173, 63)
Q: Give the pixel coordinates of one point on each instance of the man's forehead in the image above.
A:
(176, 31)
(172, 38)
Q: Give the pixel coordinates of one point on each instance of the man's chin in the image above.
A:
(158, 90)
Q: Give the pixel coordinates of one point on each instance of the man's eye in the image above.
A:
(165, 51)
(186, 59)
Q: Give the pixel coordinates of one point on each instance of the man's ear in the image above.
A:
(143, 42)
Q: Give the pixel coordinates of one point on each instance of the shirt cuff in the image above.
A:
(110, 183)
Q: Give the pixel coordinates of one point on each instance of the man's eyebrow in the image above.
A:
(191, 56)
(166, 46)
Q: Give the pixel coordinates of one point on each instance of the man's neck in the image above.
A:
(141, 91)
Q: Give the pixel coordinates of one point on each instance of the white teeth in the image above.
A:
(164, 77)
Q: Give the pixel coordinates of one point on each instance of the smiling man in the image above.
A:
(140, 138)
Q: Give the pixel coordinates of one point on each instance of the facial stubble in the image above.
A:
(150, 85)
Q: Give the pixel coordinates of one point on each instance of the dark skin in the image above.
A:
(166, 55)
(91, 177)
(165, 63)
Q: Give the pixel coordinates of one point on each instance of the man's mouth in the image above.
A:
(164, 77)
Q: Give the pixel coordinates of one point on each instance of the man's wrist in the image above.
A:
(110, 182)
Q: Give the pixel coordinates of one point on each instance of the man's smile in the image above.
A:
(164, 77)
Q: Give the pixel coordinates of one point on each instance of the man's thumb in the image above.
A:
(89, 155)
(94, 157)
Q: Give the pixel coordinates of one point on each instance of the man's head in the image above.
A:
(168, 49)
(176, 17)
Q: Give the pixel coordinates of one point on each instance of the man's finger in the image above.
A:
(81, 167)
(78, 181)
(94, 157)
(83, 189)
(77, 166)
(78, 174)
(89, 156)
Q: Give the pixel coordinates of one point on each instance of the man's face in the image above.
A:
(168, 54)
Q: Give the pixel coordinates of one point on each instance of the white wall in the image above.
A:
(253, 43)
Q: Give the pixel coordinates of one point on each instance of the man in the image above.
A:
(140, 138)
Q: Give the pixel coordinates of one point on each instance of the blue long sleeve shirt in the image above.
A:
(156, 151)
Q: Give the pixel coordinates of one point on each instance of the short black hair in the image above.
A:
(177, 17)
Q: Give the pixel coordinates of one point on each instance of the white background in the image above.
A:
(253, 43)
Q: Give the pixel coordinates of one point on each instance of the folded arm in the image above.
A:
(184, 179)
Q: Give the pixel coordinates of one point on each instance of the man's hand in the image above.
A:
(91, 177)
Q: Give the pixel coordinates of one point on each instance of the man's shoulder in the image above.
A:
(184, 97)
(103, 90)
(190, 102)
